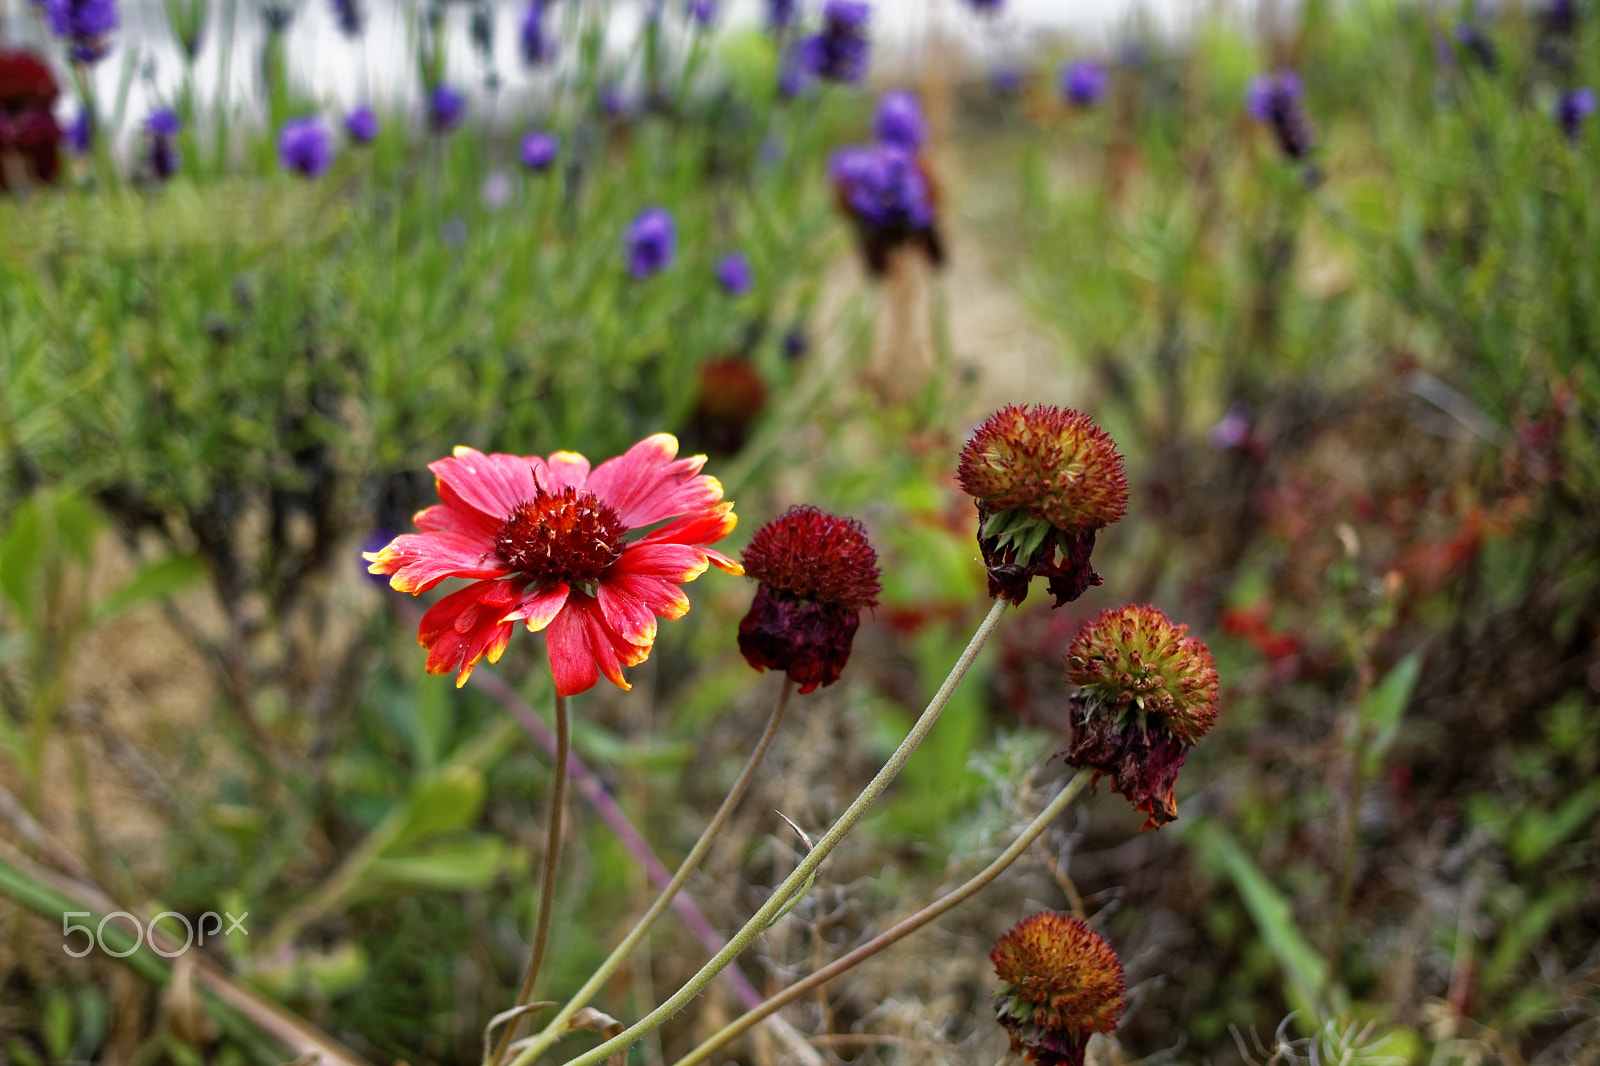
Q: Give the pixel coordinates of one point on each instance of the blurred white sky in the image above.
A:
(378, 66)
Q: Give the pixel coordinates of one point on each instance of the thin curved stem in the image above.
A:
(553, 1030)
(795, 884)
(547, 887)
(901, 929)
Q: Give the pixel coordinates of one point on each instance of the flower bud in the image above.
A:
(1046, 479)
(1061, 982)
(1149, 693)
(816, 571)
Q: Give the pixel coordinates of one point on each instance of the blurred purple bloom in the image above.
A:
(497, 190)
(537, 48)
(1083, 83)
(612, 103)
(703, 12)
(1275, 99)
(1232, 430)
(305, 147)
(539, 150)
(986, 7)
(779, 14)
(362, 125)
(734, 274)
(163, 122)
(80, 132)
(651, 242)
(900, 120)
(350, 16)
(1007, 80)
(1477, 44)
(795, 343)
(164, 158)
(883, 187)
(84, 25)
(840, 51)
(792, 76)
(1572, 108)
(446, 106)
(1561, 17)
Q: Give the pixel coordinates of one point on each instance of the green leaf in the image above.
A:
(21, 554)
(446, 801)
(154, 580)
(1537, 832)
(77, 525)
(1310, 985)
(1525, 930)
(470, 863)
(1383, 706)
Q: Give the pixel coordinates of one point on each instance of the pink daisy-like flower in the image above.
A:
(546, 542)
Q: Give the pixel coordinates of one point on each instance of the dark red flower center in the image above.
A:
(570, 536)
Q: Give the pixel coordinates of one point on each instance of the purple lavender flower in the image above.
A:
(1007, 80)
(350, 16)
(161, 128)
(887, 195)
(780, 13)
(1572, 109)
(612, 103)
(703, 12)
(734, 274)
(84, 24)
(446, 106)
(362, 125)
(305, 147)
(651, 242)
(537, 47)
(840, 51)
(900, 120)
(1275, 100)
(795, 343)
(80, 132)
(792, 75)
(883, 187)
(1477, 44)
(539, 150)
(1083, 83)
(497, 190)
(986, 7)
(1561, 18)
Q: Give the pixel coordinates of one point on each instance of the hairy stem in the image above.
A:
(554, 1029)
(794, 885)
(901, 929)
(547, 887)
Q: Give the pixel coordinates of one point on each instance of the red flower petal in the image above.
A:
(582, 647)
(539, 608)
(466, 521)
(420, 561)
(674, 562)
(464, 626)
(491, 484)
(645, 484)
(564, 470)
(698, 530)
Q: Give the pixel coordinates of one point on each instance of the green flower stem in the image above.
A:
(901, 929)
(791, 888)
(556, 1027)
(547, 887)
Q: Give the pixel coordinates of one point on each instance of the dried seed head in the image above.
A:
(1060, 982)
(1136, 658)
(1149, 693)
(813, 555)
(816, 571)
(1050, 463)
